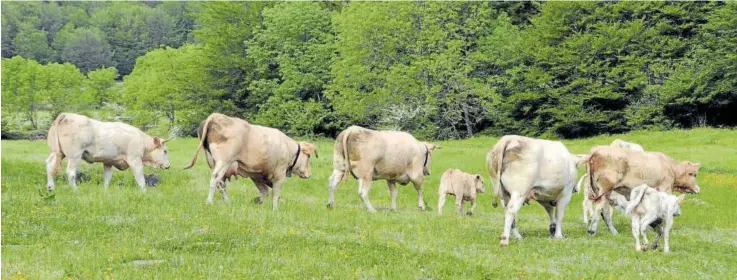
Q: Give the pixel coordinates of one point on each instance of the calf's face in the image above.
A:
(479, 183)
(159, 156)
(302, 167)
(686, 177)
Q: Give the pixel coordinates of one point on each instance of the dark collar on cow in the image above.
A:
(289, 170)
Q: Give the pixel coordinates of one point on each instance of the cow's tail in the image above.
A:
(202, 141)
(495, 161)
(640, 193)
(590, 171)
(580, 182)
(54, 132)
(346, 159)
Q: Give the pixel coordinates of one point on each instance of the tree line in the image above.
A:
(438, 70)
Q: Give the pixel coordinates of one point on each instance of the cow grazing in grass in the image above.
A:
(651, 208)
(369, 155)
(615, 199)
(267, 156)
(463, 186)
(613, 168)
(114, 144)
(522, 168)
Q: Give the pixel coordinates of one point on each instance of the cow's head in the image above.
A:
(427, 154)
(478, 183)
(302, 167)
(674, 202)
(158, 156)
(686, 172)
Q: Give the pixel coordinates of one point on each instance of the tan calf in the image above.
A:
(463, 186)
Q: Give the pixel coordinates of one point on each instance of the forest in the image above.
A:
(440, 70)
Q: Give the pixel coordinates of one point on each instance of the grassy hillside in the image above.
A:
(94, 234)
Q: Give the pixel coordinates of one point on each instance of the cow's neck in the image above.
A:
(148, 146)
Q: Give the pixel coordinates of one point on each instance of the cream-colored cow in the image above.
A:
(394, 156)
(463, 186)
(522, 168)
(78, 137)
(265, 155)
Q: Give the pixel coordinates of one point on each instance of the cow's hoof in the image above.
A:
(330, 206)
(469, 213)
(655, 246)
(504, 242)
(257, 200)
(592, 232)
(551, 229)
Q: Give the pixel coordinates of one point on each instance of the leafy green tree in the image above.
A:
(86, 48)
(172, 83)
(100, 84)
(292, 52)
(33, 44)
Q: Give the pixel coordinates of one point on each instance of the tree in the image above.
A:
(33, 44)
(86, 48)
(172, 83)
(99, 84)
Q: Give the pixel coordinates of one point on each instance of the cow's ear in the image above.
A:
(478, 177)
(680, 199)
(696, 164)
(157, 141)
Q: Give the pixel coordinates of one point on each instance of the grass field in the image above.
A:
(96, 234)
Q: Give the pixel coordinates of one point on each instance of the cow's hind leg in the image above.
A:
(223, 190)
(72, 163)
(364, 186)
(217, 175)
(666, 234)
(459, 204)
(607, 213)
(441, 202)
(510, 213)
(636, 232)
(551, 213)
(52, 165)
(473, 207)
(560, 209)
(334, 181)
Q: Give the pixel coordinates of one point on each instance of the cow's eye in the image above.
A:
(695, 175)
(165, 152)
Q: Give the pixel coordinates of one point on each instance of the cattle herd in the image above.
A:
(621, 175)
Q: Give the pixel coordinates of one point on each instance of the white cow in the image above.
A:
(116, 144)
(523, 168)
(651, 208)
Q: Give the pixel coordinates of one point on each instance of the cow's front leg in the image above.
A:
(108, 174)
(137, 169)
(393, 192)
(510, 213)
(364, 186)
(277, 184)
(263, 192)
(418, 186)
